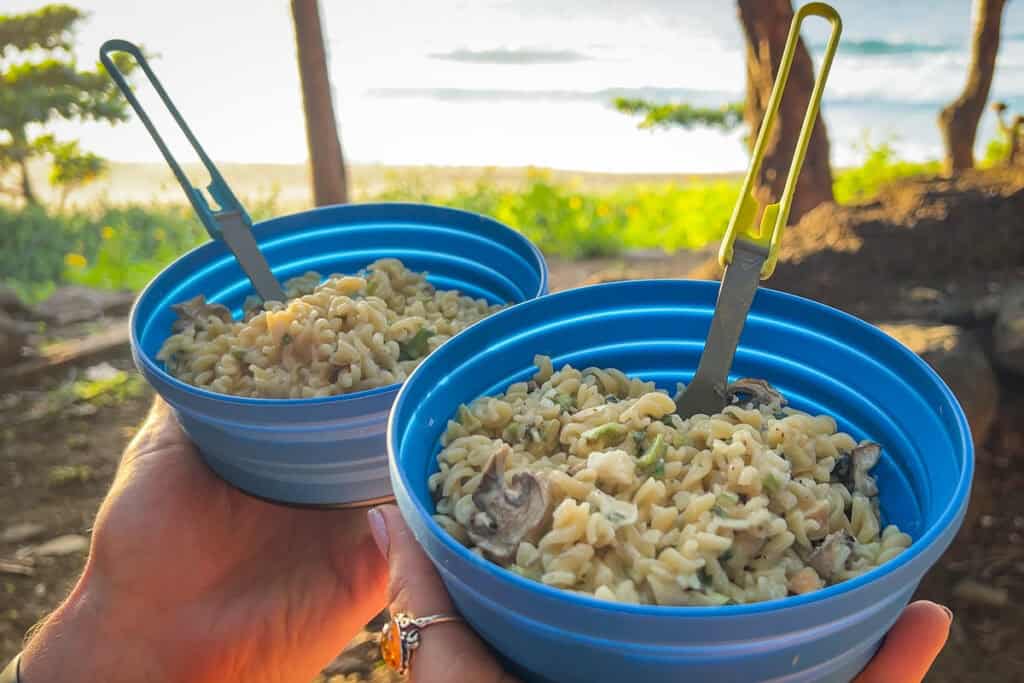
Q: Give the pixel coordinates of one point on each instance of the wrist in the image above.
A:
(90, 638)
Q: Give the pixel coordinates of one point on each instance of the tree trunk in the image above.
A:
(959, 120)
(766, 26)
(26, 185)
(330, 185)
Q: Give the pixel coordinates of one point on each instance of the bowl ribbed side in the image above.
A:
(823, 360)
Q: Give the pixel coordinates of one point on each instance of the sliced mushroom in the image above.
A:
(512, 509)
(863, 458)
(842, 471)
(831, 554)
(758, 391)
(197, 312)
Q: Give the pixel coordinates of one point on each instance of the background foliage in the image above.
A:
(122, 247)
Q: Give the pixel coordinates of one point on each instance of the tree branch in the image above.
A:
(682, 115)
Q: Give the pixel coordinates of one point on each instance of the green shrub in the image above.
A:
(565, 221)
(880, 168)
(124, 247)
(33, 244)
(996, 151)
(111, 247)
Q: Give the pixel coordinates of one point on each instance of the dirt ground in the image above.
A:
(58, 453)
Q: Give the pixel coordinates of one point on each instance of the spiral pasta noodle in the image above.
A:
(755, 503)
(345, 334)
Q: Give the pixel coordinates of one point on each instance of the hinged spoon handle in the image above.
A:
(750, 256)
(231, 223)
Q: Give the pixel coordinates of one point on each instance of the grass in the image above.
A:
(64, 475)
(118, 387)
(123, 247)
(880, 168)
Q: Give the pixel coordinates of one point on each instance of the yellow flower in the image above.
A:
(632, 211)
(575, 203)
(159, 234)
(107, 232)
(75, 260)
(603, 210)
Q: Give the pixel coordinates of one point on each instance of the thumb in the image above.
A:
(911, 645)
(449, 651)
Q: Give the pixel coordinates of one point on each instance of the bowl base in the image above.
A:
(366, 503)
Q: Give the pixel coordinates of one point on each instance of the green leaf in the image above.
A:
(416, 347)
(514, 432)
(608, 434)
(682, 115)
(565, 402)
(654, 453)
(50, 27)
(727, 499)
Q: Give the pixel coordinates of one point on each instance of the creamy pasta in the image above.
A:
(588, 481)
(345, 334)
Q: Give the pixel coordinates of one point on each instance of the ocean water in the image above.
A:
(529, 82)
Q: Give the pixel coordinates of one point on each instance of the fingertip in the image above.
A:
(415, 586)
(911, 646)
(927, 615)
(400, 538)
(379, 530)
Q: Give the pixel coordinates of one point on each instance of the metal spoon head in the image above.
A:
(237, 234)
(706, 394)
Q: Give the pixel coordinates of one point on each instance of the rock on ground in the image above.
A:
(1008, 333)
(958, 357)
(971, 590)
(74, 304)
(25, 531)
(62, 545)
(12, 305)
(12, 340)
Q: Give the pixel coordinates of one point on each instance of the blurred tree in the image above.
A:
(1009, 149)
(327, 165)
(958, 121)
(40, 82)
(682, 115)
(72, 168)
(765, 27)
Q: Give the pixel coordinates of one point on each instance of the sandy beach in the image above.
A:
(288, 184)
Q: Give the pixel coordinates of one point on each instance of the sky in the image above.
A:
(519, 82)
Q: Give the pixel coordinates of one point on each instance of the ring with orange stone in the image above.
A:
(401, 636)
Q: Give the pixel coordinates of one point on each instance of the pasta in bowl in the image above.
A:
(509, 430)
(289, 400)
(588, 481)
(348, 333)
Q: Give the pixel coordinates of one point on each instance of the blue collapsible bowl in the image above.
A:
(823, 360)
(324, 451)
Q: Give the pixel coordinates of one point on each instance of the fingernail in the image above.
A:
(949, 613)
(379, 529)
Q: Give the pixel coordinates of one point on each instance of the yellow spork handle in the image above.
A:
(774, 216)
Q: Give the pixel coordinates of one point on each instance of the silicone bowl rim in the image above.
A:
(400, 481)
(153, 366)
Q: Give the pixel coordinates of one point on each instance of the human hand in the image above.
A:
(189, 579)
(452, 652)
